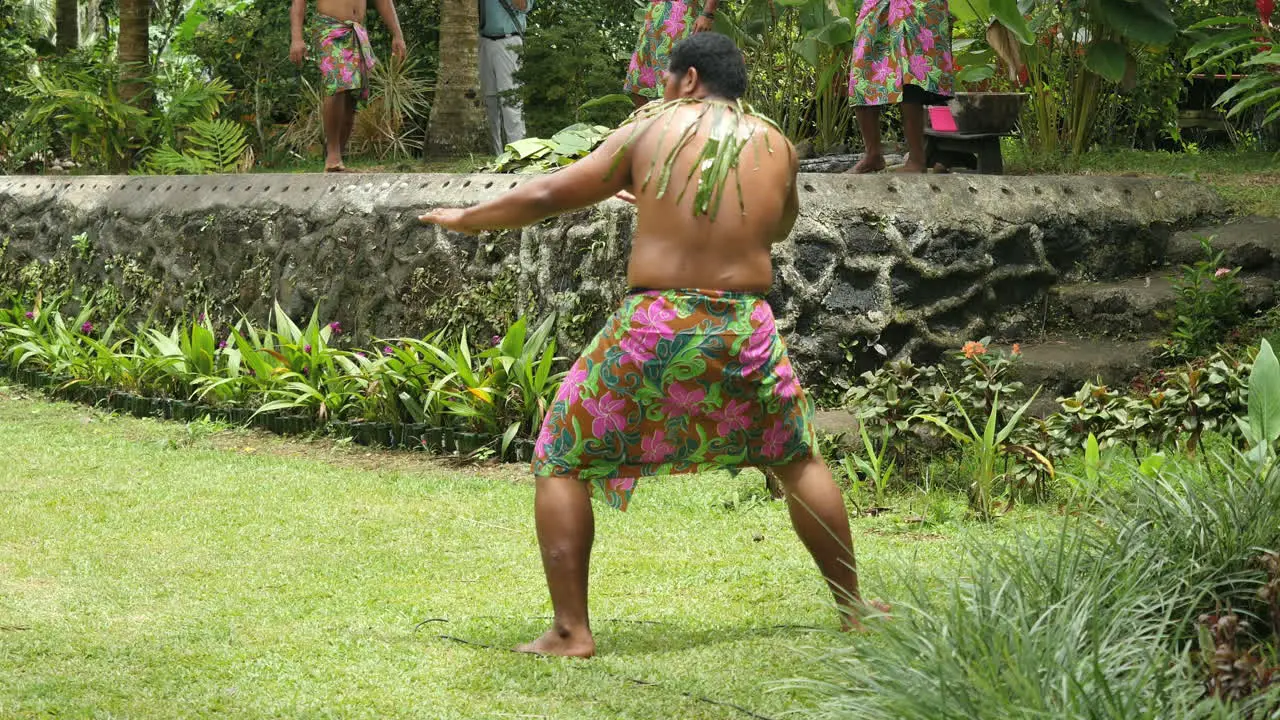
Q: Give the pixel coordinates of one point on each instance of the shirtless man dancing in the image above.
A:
(690, 373)
(346, 59)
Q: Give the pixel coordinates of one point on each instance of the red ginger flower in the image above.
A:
(1266, 8)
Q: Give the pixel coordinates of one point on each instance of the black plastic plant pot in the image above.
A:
(469, 442)
(364, 433)
(410, 435)
(448, 440)
(238, 415)
(524, 450)
(432, 440)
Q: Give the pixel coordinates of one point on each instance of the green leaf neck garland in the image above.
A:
(717, 159)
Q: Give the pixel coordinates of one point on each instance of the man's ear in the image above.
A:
(689, 82)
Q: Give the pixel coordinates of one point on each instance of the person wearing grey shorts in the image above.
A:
(502, 26)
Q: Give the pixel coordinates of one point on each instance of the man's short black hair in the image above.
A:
(718, 60)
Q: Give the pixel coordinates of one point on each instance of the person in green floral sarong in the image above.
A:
(901, 56)
(346, 59)
(690, 373)
(666, 22)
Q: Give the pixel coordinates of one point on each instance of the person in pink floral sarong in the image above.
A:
(901, 56)
(666, 22)
(346, 60)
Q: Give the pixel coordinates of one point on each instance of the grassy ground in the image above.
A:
(154, 569)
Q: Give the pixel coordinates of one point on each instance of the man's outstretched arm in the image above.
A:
(584, 183)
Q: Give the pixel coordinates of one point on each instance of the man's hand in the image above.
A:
(398, 49)
(703, 24)
(449, 219)
(297, 51)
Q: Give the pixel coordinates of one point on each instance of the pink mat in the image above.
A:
(940, 119)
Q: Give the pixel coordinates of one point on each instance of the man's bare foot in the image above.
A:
(561, 644)
(336, 169)
(868, 164)
(851, 618)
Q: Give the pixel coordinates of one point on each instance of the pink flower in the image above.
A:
(775, 439)
(919, 68)
(86, 328)
(733, 416)
(867, 7)
(900, 10)
(620, 485)
(570, 388)
(608, 412)
(948, 64)
(655, 317)
(860, 50)
(787, 386)
(326, 65)
(674, 24)
(31, 315)
(335, 328)
(1220, 272)
(544, 441)
(348, 55)
(759, 347)
(346, 75)
(335, 34)
(655, 448)
(637, 348)
(880, 70)
(634, 66)
(648, 77)
(681, 401)
(926, 39)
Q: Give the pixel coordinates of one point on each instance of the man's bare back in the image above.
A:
(675, 248)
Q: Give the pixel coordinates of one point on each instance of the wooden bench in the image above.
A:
(980, 151)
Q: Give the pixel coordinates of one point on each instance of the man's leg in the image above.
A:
(820, 519)
(869, 124)
(512, 112)
(566, 529)
(333, 113)
(489, 88)
(913, 128)
(348, 120)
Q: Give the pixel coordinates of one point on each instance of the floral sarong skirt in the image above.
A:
(665, 24)
(346, 57)
(902, 51)
(678, 381)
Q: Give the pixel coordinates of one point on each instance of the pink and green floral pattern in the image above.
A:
(346, 57)
(665, 24)
(899, 43)
(676, 382)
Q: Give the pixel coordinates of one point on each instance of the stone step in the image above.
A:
(1252, 243)
(1059, 366)
(1134, 307)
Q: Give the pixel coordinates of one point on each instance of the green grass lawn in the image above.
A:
(153, 569)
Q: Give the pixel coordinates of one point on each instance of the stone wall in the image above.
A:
(881, 265)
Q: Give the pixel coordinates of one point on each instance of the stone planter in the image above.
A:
(987, 113)
(470, 442)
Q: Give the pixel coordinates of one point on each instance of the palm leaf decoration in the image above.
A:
(715, 163)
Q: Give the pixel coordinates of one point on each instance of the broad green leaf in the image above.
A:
(1150, 23)
(1007, 12)
(1264, 395)
(1107, 58)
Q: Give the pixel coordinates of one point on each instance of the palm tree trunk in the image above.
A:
(135, 23)
(67, 20)
(457, 125)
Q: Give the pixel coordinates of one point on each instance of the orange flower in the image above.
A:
(1017, 349)
(972, 349)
